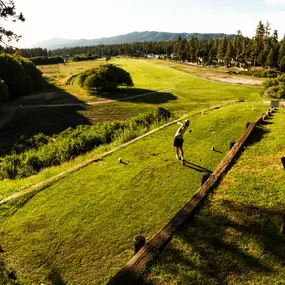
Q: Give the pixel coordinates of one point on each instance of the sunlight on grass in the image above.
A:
(236, 238)
(89, 218)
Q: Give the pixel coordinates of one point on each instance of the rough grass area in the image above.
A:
(236, 237)
(81, 228)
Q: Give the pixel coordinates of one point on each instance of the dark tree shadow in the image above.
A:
(128, 278)
(55, 277)
(218, 253)
(256, 135)
(138, 95)
(31, 119)
(47, 120)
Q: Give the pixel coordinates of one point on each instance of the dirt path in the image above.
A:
(85, 163)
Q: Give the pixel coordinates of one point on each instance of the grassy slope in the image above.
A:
(189, 94)
(82, 227)
(236, 238)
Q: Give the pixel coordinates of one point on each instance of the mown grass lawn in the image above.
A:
(189, 94)
(81, 228)
(236, 238)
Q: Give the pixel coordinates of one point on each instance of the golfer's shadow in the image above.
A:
(196, 167)
(215, 150)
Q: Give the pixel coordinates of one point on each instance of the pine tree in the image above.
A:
(258, 42)
(177, 46)
(222, 48)
(229, 54)
(281, 52)
(270, 59)
(8, 12)
(261, 58)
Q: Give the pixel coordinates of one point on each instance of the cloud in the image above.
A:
(282, 2)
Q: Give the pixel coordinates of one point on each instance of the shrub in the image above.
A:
(82, 76)
(91, 81)
(85, 57)
(35, 75)
(106, 79)
(14, 75)
(274, 87)
(43, 60)
(73, 142)
(20, 75)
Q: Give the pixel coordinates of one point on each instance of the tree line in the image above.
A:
(264, 49)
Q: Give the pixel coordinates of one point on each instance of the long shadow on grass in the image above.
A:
(143, 96)
(256, 135)
(196, 167)
(221, 244)
(50, 121)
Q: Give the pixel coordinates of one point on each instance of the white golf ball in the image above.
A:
(120, 160)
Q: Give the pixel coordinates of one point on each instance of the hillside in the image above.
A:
(127, 38)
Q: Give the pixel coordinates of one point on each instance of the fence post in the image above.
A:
(283, 161)
(282, 228)
(139, 242)
(232, 144)
(205, 176)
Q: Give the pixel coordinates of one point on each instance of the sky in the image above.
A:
(91, 19)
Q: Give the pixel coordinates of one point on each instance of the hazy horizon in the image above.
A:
(96, 19)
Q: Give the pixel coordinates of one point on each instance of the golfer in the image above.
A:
(178, 139)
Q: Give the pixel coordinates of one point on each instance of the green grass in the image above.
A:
(82, 227)
(190, 94)
(236, 238)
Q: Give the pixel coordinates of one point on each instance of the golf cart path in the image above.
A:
(96, 158)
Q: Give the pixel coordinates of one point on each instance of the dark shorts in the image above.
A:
(178, 142)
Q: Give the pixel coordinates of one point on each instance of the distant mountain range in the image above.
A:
(127, 38)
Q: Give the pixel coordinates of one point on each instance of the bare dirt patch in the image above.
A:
(237, 80)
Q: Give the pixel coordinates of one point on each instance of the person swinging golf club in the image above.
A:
(178, 139)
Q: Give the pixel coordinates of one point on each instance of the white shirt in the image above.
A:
(180, 132)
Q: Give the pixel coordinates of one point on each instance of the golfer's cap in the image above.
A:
(187, 122)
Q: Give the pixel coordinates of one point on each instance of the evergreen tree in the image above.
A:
(8, 12)
(222, 48)
(229, 54)
(282, 64)
(258, 43)
(281, 52)
(261, 58)
(177, 46)
(270, 61)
